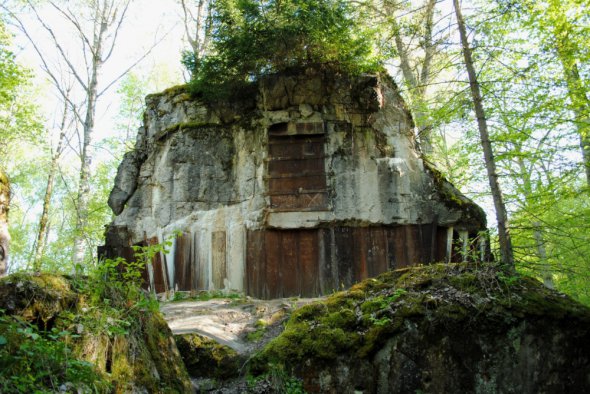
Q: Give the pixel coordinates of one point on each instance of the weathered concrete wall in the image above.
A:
(216, 171)
(4, 235)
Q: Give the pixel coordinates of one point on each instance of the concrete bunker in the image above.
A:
(305, 188)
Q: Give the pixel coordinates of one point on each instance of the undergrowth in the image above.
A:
(36, 361)
(50, 324)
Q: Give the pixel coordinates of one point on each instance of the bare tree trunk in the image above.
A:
(201, 23)
(580, 106)
(84, 180)
(4, 235)
(44, 220)
(545, 268)
(506, 253)
(101, 22)
(96, 25)
(527, 192)
(417, 84)
(567, 53)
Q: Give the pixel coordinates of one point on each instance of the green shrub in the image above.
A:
(32, 360)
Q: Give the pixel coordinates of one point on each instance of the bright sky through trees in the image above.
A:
(148, 22)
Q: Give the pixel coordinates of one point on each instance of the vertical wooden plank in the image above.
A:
(250, 265)
(218, 258)
(412, 244)
(391, 247)
(377, 263)
(398, 247)
(360, 253)
(273, 272)
(290, 263)
(433, 240)
(421, 253)
(182, 262)
(177, 260)
(427, 236)
(328, 269)
(309, 262)
(204, 260)
(159, 269)
(195, 262)
(440, 254)
(187, 284)
(254, 260)
(344, 255)
(449, 245)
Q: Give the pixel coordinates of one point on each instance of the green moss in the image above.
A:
(36, 297)
(208, 295)
(345, 318)
(258, 333)
(453, 198)
(205, 357)
(169, 92)
(359, 321)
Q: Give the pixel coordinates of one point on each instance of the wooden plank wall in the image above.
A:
(182, 263)
(218, 258)
(309, 262)
(302, 262)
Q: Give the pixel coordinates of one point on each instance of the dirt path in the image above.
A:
(228, 321)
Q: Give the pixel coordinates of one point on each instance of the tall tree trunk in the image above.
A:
(545, 268)
(4, 235)
(506, 253)
(97, 25)
(88, 127)
(527, 192)
(417, 83)
(44, 220)
(579, 101)
(202, 25)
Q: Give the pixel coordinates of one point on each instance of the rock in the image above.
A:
(313, 160)
(306, 110)
(438, 329)
(205, 358)
(130, 347)
(125, 181)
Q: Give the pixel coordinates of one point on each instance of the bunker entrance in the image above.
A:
(296, 167)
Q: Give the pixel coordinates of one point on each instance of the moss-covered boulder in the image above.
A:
(109, 345)
(438, 329)
(206, 358)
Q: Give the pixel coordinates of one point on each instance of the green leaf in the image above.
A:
(3, 340)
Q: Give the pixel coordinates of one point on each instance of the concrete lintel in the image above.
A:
(289, 220)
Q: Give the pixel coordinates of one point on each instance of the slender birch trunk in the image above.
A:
(101, 22)
(568, 54)
(418, 82)
(44, 220)
(579, 105)
(506, 253)
(541, 252)
(4, 235)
